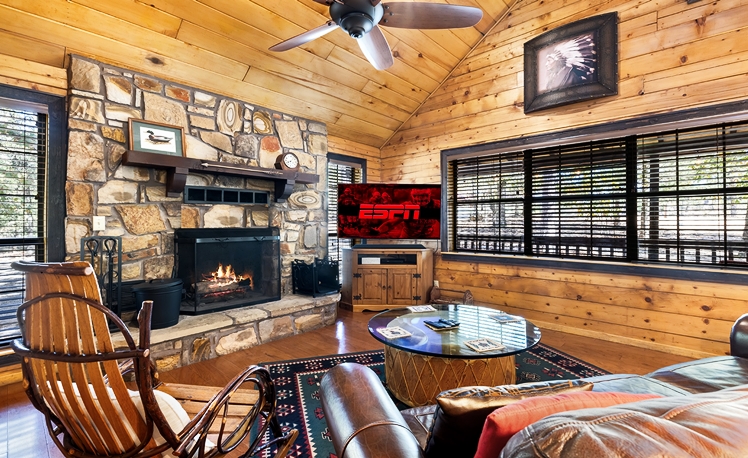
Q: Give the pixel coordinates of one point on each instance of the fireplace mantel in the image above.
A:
(177, 169)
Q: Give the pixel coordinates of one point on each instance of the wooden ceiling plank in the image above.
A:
(447, 39)
(281, 85)
(415, 60)
(390, 96)
(84, 18)
(363, 126)
(127, 56)
(136, 13)
(229, 26)
(249, 12)
(32, 49)
(428, 47)
(308, 18)
(359, 65)
(288, 62)
(391, 116)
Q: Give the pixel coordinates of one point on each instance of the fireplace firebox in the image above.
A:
(225, 268)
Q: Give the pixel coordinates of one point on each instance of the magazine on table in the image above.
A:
(421, 308)
(506, 318)
(393, 332)
(481, 345)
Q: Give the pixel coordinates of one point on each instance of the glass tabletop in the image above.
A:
(515, 334)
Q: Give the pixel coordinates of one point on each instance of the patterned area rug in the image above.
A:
(299, 405)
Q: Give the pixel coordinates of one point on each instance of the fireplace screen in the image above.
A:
(227, 268)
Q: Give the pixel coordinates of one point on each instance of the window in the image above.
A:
(29, 228)
(340, 169)
(679, 196)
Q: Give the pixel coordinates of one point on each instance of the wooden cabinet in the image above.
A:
(379, 277)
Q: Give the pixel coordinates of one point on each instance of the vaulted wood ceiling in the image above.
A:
(221, 46)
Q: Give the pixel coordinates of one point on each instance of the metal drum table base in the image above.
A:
(417, 379)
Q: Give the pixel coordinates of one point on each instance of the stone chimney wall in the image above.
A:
(133, 199)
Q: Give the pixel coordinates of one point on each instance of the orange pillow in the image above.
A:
(506, 421)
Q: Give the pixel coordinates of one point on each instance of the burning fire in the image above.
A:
(225, 277)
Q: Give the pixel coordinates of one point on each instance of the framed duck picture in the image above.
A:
(153, 137)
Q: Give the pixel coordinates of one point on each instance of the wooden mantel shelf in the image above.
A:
(177, 169)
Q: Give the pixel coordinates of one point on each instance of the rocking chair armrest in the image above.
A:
(216, 409)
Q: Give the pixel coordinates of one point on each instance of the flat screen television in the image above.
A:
(389, 211)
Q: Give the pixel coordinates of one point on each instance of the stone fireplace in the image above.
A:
(134, 203)
(227, 268)
(133, 199)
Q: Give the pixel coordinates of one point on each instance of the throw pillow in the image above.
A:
(461, 412)
(502, 424)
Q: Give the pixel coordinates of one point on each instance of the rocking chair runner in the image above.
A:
(74, 376)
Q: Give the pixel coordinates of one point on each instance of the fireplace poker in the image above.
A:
(110, 245)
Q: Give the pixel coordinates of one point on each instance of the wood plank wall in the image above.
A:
(359, 150)
(31, 75)
(672, 56)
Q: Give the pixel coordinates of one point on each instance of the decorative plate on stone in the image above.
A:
(229, 117)
(262, 123)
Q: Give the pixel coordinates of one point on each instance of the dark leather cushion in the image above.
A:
(704, 375)
(420, 420)
(703, 425)
(631, 383)
(461, 412)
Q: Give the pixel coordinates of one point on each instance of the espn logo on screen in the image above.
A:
(389, 211)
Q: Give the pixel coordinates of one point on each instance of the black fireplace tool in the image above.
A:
(105, 255)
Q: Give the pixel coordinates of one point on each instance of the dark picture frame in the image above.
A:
(155, 137)
(574, 62)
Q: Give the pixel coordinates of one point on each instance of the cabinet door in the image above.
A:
(370, 286)
(401, 287)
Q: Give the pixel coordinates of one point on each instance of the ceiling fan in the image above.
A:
(361, 20)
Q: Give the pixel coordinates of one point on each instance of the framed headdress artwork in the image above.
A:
(572, 63)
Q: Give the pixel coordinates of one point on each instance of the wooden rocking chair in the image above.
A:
(74, 376)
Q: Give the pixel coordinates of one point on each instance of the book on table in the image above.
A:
(441, 324)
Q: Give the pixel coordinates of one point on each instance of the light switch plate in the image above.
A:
(99, 223)
(436, 283)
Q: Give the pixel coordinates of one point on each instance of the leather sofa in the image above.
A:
(702, 412)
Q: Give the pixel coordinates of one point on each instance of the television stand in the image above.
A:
(385, 276)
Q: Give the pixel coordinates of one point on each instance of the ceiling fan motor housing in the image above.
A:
(356, 17)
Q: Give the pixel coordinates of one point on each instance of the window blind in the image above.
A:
(578, 200)
(337, 173)
(693, 196)
(679, 196)
(23, 144)
(487, 195)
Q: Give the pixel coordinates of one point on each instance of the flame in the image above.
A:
(227, 276)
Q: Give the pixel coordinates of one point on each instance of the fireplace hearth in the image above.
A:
(225, 268)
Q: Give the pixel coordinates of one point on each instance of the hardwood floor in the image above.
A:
(23, 434)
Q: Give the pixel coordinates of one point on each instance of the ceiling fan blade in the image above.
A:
(305, 37)
(429, 15)
(375, 48)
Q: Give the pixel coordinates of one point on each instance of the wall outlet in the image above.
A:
(99, 223)
(436, 283)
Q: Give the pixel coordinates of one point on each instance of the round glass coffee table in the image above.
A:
(423, 364)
